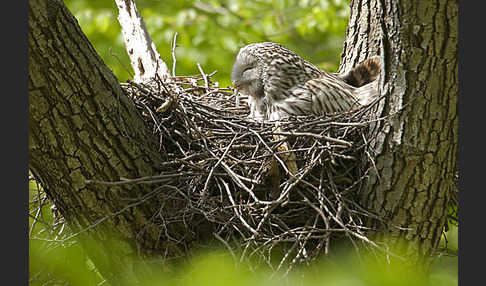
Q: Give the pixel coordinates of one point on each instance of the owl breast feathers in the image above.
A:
(279, 83)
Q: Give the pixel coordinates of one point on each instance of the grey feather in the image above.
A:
(280, 83)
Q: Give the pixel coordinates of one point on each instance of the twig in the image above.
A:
(206, 131)
(204, 75)
(174, 60)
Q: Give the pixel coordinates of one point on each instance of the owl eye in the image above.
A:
(245, 70)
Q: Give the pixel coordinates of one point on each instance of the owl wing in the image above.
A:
(323, 95)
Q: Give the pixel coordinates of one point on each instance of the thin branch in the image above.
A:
(174, 60)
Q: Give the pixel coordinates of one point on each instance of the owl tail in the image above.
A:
(363, 77)
(364, 73)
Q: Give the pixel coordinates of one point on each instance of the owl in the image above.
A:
(279, 83)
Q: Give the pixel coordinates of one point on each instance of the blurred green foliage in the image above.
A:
(54, 261)
(211, 32)
(70, 266)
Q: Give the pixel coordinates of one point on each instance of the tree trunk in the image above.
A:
(83, 127)
(416, 150)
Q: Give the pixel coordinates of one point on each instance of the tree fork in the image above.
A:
(82, 127)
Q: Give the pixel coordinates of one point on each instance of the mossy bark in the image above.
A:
(83, 127)
(416, 151)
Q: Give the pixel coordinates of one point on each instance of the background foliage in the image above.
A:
(210, 33)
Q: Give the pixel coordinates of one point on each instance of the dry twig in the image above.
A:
(225, 158)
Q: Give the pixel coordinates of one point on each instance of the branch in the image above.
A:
(144, 58)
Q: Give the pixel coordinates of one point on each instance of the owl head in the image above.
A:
(247, 72)
(269, 68)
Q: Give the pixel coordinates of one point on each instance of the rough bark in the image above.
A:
(83, 127)
(416, 150)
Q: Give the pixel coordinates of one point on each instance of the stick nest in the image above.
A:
(231, 172)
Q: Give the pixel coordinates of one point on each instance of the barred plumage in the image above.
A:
(280, 83)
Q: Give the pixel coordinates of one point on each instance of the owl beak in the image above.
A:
(235, 84)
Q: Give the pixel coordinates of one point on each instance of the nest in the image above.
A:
(232, 172)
